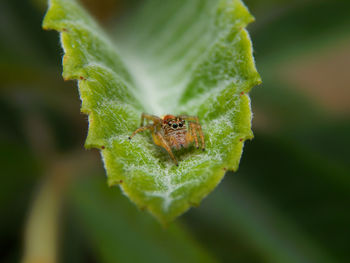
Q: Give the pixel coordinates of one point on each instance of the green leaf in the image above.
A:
(176, 57)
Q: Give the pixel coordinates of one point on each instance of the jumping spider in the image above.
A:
(172, 132)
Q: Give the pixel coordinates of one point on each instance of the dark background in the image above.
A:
(289, 201)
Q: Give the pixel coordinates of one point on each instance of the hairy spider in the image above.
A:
(172, 132)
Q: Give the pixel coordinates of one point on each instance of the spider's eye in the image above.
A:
(169, 123)
(180, 124)
(174, 125)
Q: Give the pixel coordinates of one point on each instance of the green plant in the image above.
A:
(192, 57)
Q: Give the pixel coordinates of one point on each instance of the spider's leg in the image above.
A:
(189, 136)
(201, 136)
(160, 141)
(153, 118)
(194, 133)
(141, 129)
(196, 127)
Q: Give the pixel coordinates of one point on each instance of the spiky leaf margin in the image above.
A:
(192, 57)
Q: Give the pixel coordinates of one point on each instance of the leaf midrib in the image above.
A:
(159, 84)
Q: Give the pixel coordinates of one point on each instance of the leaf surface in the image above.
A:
(166, 57)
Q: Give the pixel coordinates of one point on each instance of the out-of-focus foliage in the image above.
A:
(287, 203)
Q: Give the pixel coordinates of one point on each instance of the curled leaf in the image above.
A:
(177, 57)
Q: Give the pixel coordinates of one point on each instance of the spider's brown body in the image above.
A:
(172, 131)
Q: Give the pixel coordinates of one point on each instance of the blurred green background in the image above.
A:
(289, 201)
